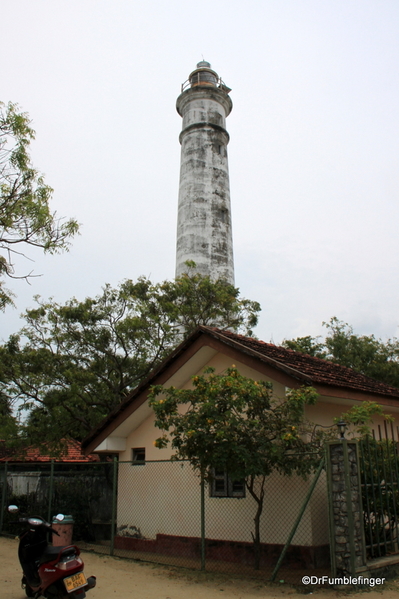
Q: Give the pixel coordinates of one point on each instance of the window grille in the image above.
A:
(223, 486)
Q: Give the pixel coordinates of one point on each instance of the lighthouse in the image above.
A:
(204, 233)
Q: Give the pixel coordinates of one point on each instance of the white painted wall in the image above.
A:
(163, 497)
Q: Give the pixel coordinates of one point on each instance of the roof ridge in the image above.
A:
(334, 368)
(269, 358)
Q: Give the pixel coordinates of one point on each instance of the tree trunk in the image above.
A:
(256, 536)
(259, 500)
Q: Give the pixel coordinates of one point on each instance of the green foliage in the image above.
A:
(8, 429)
(193, 299)
(8, 422)
(360, 418)
(234, 423)
(306, 345)
(73, 363)
(25, 216)
(379, 468)
(363, 353)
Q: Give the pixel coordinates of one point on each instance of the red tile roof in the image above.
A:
(307, 368)
(71, 454)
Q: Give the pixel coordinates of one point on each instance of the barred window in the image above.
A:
(223, 486)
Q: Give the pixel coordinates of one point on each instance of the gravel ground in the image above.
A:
(124, 579)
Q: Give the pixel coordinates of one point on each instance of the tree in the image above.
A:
(234, 423)
(306, 345)
(193, 299)
(359, 419)
(363, 353)
(72, 364)
(8, 423)
(25, 215)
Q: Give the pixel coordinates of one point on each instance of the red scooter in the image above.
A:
(50, 572)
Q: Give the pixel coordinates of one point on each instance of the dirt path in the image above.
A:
(123, 579)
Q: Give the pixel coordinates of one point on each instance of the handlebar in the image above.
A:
(36, 522)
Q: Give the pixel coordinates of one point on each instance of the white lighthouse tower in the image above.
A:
(204, 217)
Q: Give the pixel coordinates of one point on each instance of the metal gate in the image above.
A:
(379, 464)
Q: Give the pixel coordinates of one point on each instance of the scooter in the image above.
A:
(50, 572)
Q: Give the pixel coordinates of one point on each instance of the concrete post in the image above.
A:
(347, 541)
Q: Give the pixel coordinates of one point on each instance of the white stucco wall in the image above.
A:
(164, 497)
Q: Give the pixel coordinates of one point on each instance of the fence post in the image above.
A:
(50, 493)
(3, 496)
(202, 521)
(350, 515)
(114, 498)
(348, 553)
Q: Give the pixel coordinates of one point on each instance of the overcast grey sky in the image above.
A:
(313, 153)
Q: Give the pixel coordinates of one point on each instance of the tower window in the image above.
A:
(219, 149)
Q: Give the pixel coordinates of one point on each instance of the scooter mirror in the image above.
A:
(59, 517)
(35, 521)
(13, 509)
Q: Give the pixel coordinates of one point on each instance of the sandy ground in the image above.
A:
(124, 579)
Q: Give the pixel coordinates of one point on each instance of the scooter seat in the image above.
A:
(51, 553)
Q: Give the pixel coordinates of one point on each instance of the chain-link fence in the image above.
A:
(84, 491)
(159, 511)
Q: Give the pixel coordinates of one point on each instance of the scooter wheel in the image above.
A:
(29, 592)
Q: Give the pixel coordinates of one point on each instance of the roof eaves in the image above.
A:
(295, 373)
(141, 387)
(332, 372)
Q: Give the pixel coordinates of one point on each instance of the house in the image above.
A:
(156, 500)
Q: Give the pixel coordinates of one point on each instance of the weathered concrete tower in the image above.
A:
(204, 217)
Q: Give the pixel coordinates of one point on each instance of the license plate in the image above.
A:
(75, 582)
